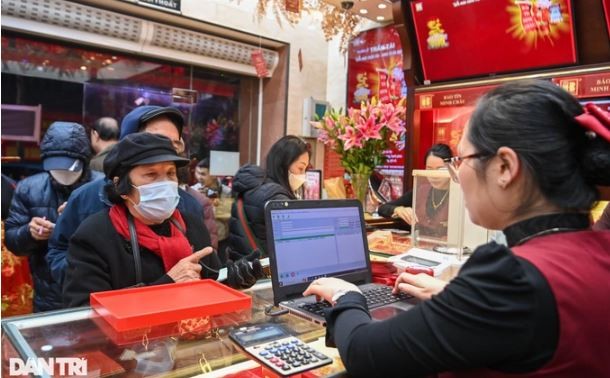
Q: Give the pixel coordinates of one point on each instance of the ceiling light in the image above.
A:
(84, 68)
(363, 11)
(382, 6)
(380, 18)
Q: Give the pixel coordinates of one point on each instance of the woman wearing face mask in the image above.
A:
(142, 239)
(431, 213)
(283, 178)
(39, 199)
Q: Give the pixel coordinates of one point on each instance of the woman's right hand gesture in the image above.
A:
(189, 269)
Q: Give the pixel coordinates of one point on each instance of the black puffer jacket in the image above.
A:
(253, 185)
(40, 196)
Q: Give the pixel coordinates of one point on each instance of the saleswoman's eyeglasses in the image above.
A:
(453, 163)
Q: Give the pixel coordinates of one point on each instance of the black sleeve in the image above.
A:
(16, 226)
(499, 313)
(87, 270)
(387, 209)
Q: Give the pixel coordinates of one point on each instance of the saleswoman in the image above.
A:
(142, 239)
(528, 163)
(432, 212)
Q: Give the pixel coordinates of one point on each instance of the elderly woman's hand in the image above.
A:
(421, 285)
(327, 287)
(188, 269)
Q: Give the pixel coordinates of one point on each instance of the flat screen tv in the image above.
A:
(21, 123)
(469, 38)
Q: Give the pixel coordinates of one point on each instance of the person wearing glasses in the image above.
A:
(528, 162)
(432, 213)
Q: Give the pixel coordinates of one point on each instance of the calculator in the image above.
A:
(273, 346)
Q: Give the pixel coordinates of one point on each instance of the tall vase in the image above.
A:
(360, 185)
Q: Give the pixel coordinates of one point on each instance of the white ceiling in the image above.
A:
(373, 8)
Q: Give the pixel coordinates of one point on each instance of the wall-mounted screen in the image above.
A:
(224, 163)
(467, 38)
(21, 123)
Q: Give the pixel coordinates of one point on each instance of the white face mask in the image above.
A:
(158, 200)
(65, 177)
(296, 181)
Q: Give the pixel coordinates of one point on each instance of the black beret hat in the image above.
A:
(138, 149)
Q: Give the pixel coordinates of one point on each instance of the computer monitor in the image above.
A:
(224, 163)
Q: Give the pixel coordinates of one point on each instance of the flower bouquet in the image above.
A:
(361, 137)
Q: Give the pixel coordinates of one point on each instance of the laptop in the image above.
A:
(324, 238)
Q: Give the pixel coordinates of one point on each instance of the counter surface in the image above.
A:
(195, 347)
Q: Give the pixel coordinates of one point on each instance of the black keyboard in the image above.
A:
(376, 296)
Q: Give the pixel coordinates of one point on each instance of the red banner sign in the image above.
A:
(450, 98)
(375, 70)
(375, 67)
(293, 6)
(586, 86)
(466, 38)
(258, 61)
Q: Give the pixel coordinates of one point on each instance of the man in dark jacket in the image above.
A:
(37, 200)
(91, 198)
(252, 184)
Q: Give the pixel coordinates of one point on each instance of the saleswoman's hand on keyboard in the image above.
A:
(421, 285)
(327, 287)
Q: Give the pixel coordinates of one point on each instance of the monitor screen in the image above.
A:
(21, 123)
(224, 163)
(466, 38)
(317, 242)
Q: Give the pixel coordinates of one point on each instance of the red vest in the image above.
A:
(577, 267)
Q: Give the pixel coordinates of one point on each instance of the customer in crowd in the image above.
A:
(208, 208)
(103, 252)
(91, 198)
(65, 154)
(104, 135)
(432, 212)
(208, 185)
(528, 163)
(283, 178)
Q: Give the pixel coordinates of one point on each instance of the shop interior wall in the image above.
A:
(322, 74)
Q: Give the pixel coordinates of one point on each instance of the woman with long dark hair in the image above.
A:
(282, 178)
(528, 163)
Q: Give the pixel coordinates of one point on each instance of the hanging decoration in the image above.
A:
(334, 22)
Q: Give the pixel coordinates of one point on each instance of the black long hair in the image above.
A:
(281, 155)
(535, 118)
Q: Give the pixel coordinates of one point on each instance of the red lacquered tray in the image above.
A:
(134, 308)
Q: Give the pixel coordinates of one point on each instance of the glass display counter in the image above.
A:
(156, 351)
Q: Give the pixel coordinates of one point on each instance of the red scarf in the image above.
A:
(171, 249)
